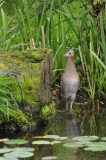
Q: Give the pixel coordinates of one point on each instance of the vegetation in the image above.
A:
(48, 111)
(79, 25)
(8, 103)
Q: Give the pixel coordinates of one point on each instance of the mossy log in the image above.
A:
(33, 71)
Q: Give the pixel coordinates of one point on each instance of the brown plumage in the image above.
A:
(70, 80)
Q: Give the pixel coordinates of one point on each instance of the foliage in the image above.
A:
(67, 24)
(48, 110)
(8, 104)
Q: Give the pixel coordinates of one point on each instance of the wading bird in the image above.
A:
(69, 83)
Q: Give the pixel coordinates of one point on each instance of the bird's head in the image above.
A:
(69, 53)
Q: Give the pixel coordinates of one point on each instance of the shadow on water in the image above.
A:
(84, 121)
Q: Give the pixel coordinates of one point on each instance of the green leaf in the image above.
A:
(6, 158)
(56, 142)
(28, 18)
(103, 36)
(23, 149)
(18, 154)
(98, 59)
(49, 158)
(4, 28)
(16, 141)
(103, 138)
(4, 139)
(85, 138)
(51, 136)
(95, 148)
(96, 144)
(73, 145)
(41, 142)
(5, 150)
(62, 138)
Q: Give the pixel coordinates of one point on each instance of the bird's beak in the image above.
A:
(66, 54)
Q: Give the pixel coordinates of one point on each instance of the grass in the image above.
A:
(8, 103)
(65, 26)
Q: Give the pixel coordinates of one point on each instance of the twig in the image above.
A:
(81, 59)
(32, 44)
(22, 46)
(57, 85)
(43, 36)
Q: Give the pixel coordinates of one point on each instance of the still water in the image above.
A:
(84, 121)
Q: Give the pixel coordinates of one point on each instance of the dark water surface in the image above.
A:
(82, 122)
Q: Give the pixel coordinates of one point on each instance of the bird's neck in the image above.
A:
(70, 64)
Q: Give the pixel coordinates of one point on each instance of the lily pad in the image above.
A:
(6, 158)
(96, 146)
(16, 141)
(51, 136)
(95, 149)
(103, 138)
(5, 150)
(62, 138)
(49, 158)
(4, 139)
(23, 149)
(26, 155)
(85, 138)
(73, 145)
(18, 154)
(57, 142)
(41, 142)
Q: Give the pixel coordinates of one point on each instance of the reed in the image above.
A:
(65, 26)
(6, 96)
(4, 28)
(9, 109)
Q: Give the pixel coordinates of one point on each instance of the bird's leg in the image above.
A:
(71, 106)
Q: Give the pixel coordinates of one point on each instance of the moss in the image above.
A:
(48, 110)
(32, 88)
(35, 55)
(28, 76)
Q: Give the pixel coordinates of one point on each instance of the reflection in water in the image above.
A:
(84, 122)
(69, 125)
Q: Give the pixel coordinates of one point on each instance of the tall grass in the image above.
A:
(65, 26)
(8, 102)
(92, 51)
(6, 96)
(4, 28)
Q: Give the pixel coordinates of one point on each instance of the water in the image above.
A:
(82, 122)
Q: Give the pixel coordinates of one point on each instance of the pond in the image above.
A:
(84, 121)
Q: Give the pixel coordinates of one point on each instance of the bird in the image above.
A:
(69, 82)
